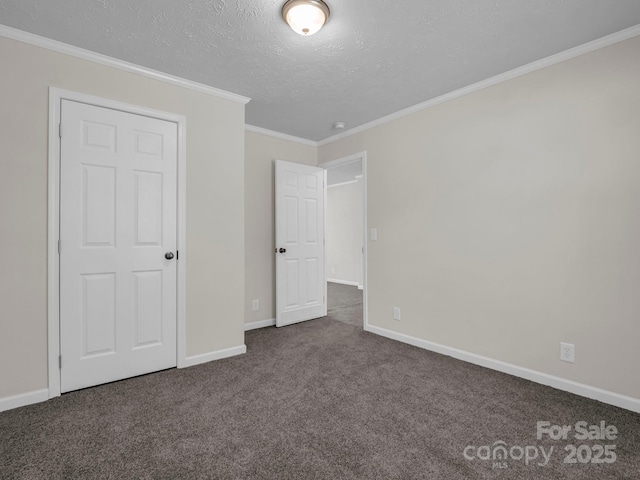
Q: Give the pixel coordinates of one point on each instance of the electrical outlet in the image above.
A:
(568, 352)
(374, 234)
(255, 304)
(396, 313)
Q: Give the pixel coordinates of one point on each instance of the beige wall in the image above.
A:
(344, 235)
(509, 219)
(261, 151)
(215, 204)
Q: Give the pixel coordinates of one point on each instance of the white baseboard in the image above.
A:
(270, 322)
(211, 356)
(570, 386)
(343, 282)
(24, 399)
(42, 395)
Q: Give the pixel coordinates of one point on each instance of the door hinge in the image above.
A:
(60, 130)
(177, 254)
(58, 247)
(60, 361)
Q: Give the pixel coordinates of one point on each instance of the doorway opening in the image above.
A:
(346, 239)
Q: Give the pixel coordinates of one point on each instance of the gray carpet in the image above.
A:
(318, 400)
(344, 303)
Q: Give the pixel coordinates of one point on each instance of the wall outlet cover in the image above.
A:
(567, 352)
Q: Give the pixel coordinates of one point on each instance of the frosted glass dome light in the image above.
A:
(305, 17)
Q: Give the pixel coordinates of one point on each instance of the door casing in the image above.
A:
(56, 95)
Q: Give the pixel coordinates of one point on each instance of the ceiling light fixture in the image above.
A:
(305, 17)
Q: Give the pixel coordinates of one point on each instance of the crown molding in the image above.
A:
(489, 82)
(281, 136)
(83, 54)
(348, 182)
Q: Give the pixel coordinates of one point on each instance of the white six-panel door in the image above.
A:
(300, 263)
(118, 203)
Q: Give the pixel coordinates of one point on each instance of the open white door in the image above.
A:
(300, 266)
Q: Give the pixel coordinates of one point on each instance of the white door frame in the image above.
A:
(334, 163)
(56, 95)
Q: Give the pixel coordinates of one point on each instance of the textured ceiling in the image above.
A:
(373, 58)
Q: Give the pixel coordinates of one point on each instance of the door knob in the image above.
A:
(282, 250)
(168, 255)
